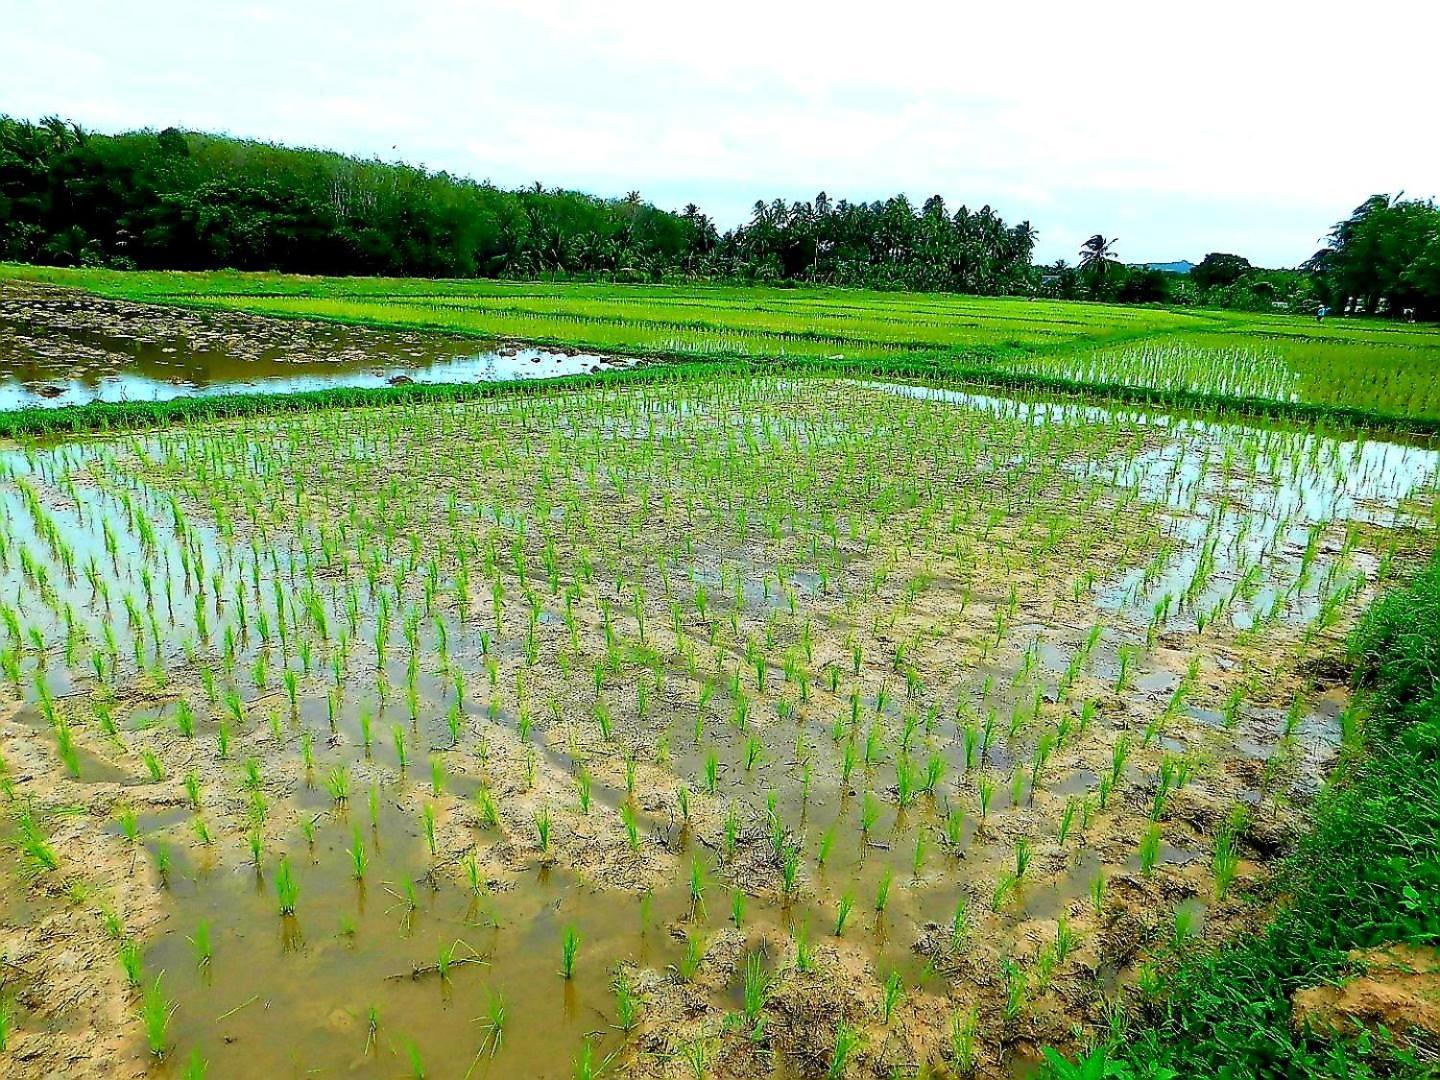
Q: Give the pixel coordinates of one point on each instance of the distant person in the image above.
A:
(1321, 312)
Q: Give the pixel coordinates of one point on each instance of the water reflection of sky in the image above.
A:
(1249, 494)
(25, 385)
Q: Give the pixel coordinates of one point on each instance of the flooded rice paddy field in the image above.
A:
(64, 347)
(699, 728)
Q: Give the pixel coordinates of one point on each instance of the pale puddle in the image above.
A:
(1252, 508)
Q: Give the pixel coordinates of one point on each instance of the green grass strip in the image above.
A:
(937, 367)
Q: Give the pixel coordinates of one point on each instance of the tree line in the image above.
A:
(187, 200)
(184, 200)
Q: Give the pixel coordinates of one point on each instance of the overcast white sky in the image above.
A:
(1181, 128)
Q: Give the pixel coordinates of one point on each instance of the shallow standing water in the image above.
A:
(60, 349)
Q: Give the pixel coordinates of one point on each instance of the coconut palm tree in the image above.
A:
(1097, 257)
(1099, 249)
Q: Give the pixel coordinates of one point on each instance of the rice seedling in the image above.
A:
(473, 879)
(1023, 856)
(737, 907)
(493, 1025)
(756, 993)
(847, 1040)
(696, 1055)
(894, 990)
(448, 956)
(569, 947)
(1016, 989)
(582, 787)
(630, 767)
(337, 783)
(437, 775)
(882, 891)
(1119, 755)
(1067, 820)
(962, 1041)
(130, 961)
(847, 902)
(985, 787)
(287, 891)
(697, 888)
(1149, 851)
(192, 789)
(156, 1010)
(65, 748)
(129, 823)
(631, 825)
(1005, 887)
(694, 956)
(959, 925)
(201, 943)
(486, 807)
(359, 860)
(1182, 926)
(954, 826)
(33, 843)
(185, 719)
(427, 824)
(627, 1007)
(869, 813)
(409, 897)
(1224, 862)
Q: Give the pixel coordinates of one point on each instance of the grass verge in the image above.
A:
(1367, 874)
(940, 369)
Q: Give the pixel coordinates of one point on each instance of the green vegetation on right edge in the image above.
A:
(1367, 875)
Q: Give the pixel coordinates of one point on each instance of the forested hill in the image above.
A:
(175, 199)
(185, 200)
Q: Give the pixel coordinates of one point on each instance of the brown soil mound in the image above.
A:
(1396, 987)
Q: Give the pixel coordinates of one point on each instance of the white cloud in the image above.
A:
(1244, 125)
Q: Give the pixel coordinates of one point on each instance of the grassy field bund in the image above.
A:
(892, 686)
(1356, 371)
